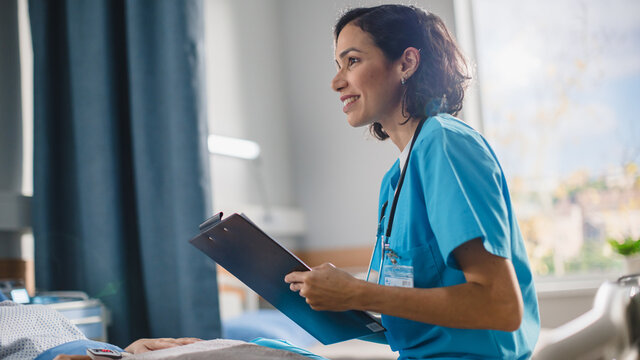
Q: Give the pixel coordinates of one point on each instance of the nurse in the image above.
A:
(452, 279)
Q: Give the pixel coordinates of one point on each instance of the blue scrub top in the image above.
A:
(454, 191)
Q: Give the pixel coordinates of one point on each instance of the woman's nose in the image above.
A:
(338, 83)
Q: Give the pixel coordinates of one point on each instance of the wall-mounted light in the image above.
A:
(233, 147)
(278, 221)
(244, 150)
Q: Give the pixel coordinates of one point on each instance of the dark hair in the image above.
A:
(439, 83)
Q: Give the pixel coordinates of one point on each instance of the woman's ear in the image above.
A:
(409, 62)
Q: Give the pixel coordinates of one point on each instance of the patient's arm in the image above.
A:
(140, 346)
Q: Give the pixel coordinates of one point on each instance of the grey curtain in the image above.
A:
(120, 166)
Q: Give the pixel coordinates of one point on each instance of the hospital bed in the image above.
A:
(610, 330)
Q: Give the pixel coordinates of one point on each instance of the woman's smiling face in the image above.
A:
(368, 83)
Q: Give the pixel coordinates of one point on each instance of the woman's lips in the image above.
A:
(348, 102)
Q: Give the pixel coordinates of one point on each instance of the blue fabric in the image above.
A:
(285, 345)
(78, 347)
(454, 191)
(266, 324)
(2, 297)
(121, 179)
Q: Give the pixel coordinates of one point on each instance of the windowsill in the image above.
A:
(571, 285)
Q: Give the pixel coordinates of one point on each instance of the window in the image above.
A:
(559, 84)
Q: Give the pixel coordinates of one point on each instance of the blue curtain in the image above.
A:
(121, 177)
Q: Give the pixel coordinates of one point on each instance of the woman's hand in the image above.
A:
(326, 288)
(145, 345)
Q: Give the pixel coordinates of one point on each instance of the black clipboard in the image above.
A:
(260, 262)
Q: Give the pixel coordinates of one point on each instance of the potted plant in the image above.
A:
(630, 249)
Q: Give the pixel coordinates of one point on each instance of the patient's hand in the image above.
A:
(145, 345)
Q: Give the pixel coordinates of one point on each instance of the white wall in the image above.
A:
(247, 100)
(14, 208)
(16, 142)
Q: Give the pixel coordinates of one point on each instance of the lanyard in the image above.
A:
(392, 213)
(385, 243)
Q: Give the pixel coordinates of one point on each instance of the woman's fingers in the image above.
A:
(296, 277)
(324, 287)
(295, 286)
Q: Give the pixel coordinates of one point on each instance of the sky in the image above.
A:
(560, 84)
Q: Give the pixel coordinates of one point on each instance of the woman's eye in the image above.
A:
(352, 61)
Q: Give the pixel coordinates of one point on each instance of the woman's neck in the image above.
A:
(400, 133)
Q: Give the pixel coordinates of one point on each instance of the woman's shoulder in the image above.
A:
(444, 136)
(444, 130)
(445, 124)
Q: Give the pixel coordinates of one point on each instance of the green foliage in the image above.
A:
(591, 259)
(547, 266)
(628, 247)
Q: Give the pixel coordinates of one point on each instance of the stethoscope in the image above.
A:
(382, 242)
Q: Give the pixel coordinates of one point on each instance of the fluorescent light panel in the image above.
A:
(233, 147)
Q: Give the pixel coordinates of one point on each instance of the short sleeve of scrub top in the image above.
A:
(464, 191)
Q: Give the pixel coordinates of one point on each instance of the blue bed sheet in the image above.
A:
(269, 324)
(78, 347)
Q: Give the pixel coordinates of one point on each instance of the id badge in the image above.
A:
(398, 275)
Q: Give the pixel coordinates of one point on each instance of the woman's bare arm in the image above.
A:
(490, 299)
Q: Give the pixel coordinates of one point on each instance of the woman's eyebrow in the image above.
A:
(344, 52)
